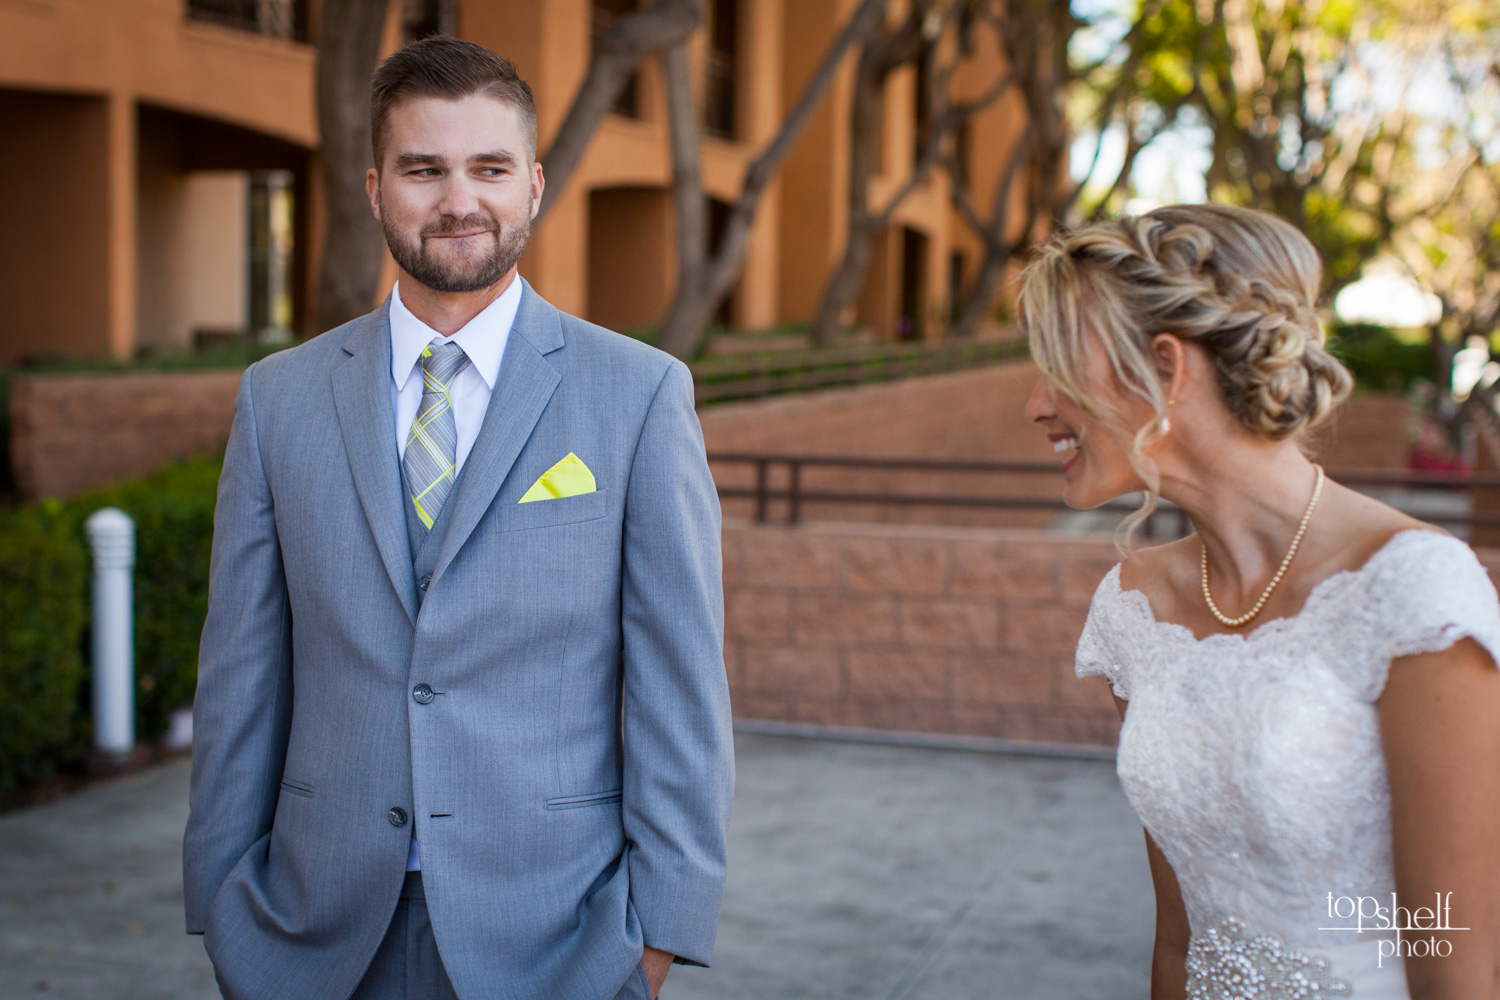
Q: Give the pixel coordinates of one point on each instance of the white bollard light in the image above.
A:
(111, 535)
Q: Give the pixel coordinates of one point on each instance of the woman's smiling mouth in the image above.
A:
(1064, 443)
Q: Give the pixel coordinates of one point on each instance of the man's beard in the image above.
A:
(464, 276)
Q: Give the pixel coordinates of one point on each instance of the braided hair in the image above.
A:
(1239, 283)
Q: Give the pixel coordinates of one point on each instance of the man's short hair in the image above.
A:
(449, 68)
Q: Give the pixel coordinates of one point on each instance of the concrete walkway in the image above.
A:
(857, 871)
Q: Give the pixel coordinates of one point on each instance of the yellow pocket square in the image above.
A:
(568, 478)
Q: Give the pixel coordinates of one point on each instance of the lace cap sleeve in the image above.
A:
(1427, 592)
(1098, 647)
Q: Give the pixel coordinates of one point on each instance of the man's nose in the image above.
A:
(1039, 408)
(459, 198)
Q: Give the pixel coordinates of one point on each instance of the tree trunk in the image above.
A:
(618, 50)
(1038, 160)
(859, 241)
(688, 197)
(447, 16)
(698, 297)
(919, 35)
(845, 284)
(994, 231)
(976, 308)
(353, 247)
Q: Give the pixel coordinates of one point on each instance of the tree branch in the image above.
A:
(618, 50)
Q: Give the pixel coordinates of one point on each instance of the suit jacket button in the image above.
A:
(397, 816)
(423, 694)
(424, 582)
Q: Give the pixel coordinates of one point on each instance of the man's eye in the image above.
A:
(424, 172)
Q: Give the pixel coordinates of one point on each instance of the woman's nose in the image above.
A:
(1039, 408)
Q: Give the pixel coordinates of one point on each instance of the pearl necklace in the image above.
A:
(1280, 572)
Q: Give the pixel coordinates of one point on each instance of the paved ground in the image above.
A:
(857, 871)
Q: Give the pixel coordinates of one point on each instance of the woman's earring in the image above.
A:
(1166, 423)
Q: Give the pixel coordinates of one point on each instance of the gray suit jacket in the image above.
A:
(570, 781)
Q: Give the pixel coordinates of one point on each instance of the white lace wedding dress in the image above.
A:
(1256, 764)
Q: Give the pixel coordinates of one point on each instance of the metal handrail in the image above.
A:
(797, 496)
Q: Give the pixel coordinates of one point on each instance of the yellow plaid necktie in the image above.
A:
(432, 443)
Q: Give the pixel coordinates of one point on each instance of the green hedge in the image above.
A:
(44, 582)
(44, 612)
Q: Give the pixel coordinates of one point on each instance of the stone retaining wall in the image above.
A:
(70, 433)
(926, 629)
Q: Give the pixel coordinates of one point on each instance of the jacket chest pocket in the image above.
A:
(553, 513)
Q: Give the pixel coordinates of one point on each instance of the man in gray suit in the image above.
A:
(462, 726)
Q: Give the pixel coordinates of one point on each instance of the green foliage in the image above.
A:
(6, 486)
(1261, 79)
(44, 582)
(238, 353)
(45, 606)
(1346, 239)
(1381, 359)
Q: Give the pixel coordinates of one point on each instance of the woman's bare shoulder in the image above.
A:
(1361, 526)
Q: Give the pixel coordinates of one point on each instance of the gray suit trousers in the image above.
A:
(407, 966)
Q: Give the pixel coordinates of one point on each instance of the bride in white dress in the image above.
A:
(1308, 684)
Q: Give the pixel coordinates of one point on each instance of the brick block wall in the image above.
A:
(70, 433)
(919, 628)
(931, 629)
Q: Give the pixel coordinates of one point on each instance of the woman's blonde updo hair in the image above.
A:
(1239, 283)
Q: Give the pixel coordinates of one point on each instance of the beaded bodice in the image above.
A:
(1254, 760)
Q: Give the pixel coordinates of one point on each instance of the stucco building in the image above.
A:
(159, 188)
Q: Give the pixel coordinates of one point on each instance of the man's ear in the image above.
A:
(1170, 355)
(372, 191)
(538, 185)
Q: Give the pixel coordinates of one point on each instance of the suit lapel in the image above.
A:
(361, 393)
(525, 385)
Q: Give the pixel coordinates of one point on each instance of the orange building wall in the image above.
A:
(56, 226)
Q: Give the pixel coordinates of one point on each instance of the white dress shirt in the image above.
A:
(483, 340)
